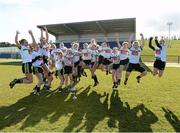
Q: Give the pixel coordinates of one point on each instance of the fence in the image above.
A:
(169, 58)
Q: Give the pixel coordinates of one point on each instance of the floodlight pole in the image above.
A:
(169, 25)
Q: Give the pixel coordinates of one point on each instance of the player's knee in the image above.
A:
(155, 73)
(29, 80)
(145, 72)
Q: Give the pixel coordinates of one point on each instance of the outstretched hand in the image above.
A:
(45, 28)
(150, 38)
(30, 32)
(141, 35)
(17, 32)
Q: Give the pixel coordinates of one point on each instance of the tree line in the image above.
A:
(7, 44)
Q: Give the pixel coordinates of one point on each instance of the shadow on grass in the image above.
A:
(127, 119)
(13, 63)
(32, 109)
(120, 116)
(87, 111)
(172, 119)
(90, 110)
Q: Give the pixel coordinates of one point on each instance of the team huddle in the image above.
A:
(70, 63)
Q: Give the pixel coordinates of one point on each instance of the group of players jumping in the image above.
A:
(41, 58)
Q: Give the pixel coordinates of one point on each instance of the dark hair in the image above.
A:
(22, 41)
(42, 38)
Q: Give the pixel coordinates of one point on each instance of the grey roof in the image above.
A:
(90, 27)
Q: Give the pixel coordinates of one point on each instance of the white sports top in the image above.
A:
(45, 51)
(124, 53)
(94, 54)
(86, 54)
(134, 55)
(106, 52)
(76, 55)
(38, 62)
(26, 54)
(68, 60)
(115, 58)
(59, 63)
(161, 53)
(64, 50)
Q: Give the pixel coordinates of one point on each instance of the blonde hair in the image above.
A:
(76, 44)
(115, 48)
(125, 43)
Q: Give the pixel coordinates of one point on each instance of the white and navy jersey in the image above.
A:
(45, 51)
(106, 52)
(115, 58)
(68, 60)
(134, 55)
(124, 53)
(76, 55)
(86, 54)
(161, 53)
(94, 54)
(59, 63)
(39, 61)
(26, 54)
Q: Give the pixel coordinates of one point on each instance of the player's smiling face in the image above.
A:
(75, 46)
(36, 48)
(135, 44)
(94, 47)
(24, 42)
(85, 46)
(125, 45)
(115, 50)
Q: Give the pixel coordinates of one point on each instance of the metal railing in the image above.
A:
(169, 58)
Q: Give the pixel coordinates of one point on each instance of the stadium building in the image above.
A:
(83, 32)
(100, 29)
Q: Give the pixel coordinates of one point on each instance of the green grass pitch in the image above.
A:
(152, 105)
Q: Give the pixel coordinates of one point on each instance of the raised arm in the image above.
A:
(33, 39)
(16, 39)
(93, 41)
(118, 43)
(142, 40)
(117, 40)
(106, 39)
(41, 33)
(157, 43)
(47, 35)
(130, 39)
(150, 44)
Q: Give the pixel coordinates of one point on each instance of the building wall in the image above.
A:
(99, 37)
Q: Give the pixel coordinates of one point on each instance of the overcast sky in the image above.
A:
(151, 15)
